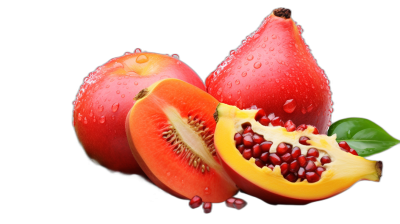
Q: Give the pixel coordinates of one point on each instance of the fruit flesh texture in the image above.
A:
(275, 70)
(105, 98)
(269, 185)
(170, 103)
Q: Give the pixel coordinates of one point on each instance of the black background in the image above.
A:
(355, 45)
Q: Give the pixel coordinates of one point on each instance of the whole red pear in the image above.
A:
(275, 70)
(106, 96)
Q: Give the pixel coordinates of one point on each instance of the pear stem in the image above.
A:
(282, 12)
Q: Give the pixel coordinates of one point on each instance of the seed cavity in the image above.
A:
(191, 139)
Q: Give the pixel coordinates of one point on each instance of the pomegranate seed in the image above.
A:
(248, 130)
(239, 203)
(284, 168)
(344, 146)
(253, 107)
(207, 207)
(248, 141)
(291, 177)
(315, 131)
(240, 148)
(277, 122)
(229, 202)
(259, 114)
(274, 158)
(301, 173)
(195, 202)
(265, 146)
(303, 140)
(271, 116)
(271, 166)
(258, 139)
(256, 151)
(289, 146)
(259, 163)
(238, 138)
(290, 126)
(248, 134)
(264, 157)
(310, 166)
(301, 127)
(345, 150)
(354, 152)
(319, 170)
(264, 121)
(294, 166)
(312, 158)
(296, 152)
(247, 154)
(325, 160)
(313, 152)
(281, 149)
(302, 160)
(286, 157)
(312, 177)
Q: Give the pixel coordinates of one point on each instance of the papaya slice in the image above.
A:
(281, 166)
(170, 131)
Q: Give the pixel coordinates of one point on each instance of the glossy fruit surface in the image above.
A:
(106, 96)
(275, 70)
(320, 171)
(170, 130)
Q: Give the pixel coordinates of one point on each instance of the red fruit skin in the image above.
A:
(118, 81)
(288, 72)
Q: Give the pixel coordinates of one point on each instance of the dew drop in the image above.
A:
(85, 120)
(142, 59)
(277, 80)
(207, 191)
(79, 117)
(175, 56)
(232, 52)
(229, 84)
(113, 117)
(303, 110)
(263, 45)
(91, 113)
(117, 91)
(138, 50)
(248, 87)
(169, 174)
(237, 82)
(244, 74)
(271, 49)
(273, 36)
(310, 108)
(238, 92)
(102, 119)
(115, 107)
(219, 91)
(107, 86)
(257, 65)
(289, 106)
(136, 83)
(230, 96)
(100, 108)
(123, 95)
(250, 57)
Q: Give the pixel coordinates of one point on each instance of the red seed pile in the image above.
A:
(293, 164)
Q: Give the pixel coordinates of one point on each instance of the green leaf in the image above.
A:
(363, 135)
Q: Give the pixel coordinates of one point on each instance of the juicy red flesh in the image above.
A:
(195, 202)
(293, 164)
(277, 122)
(264, 121)
(207, 207)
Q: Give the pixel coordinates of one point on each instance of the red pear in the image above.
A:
(275, 70)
